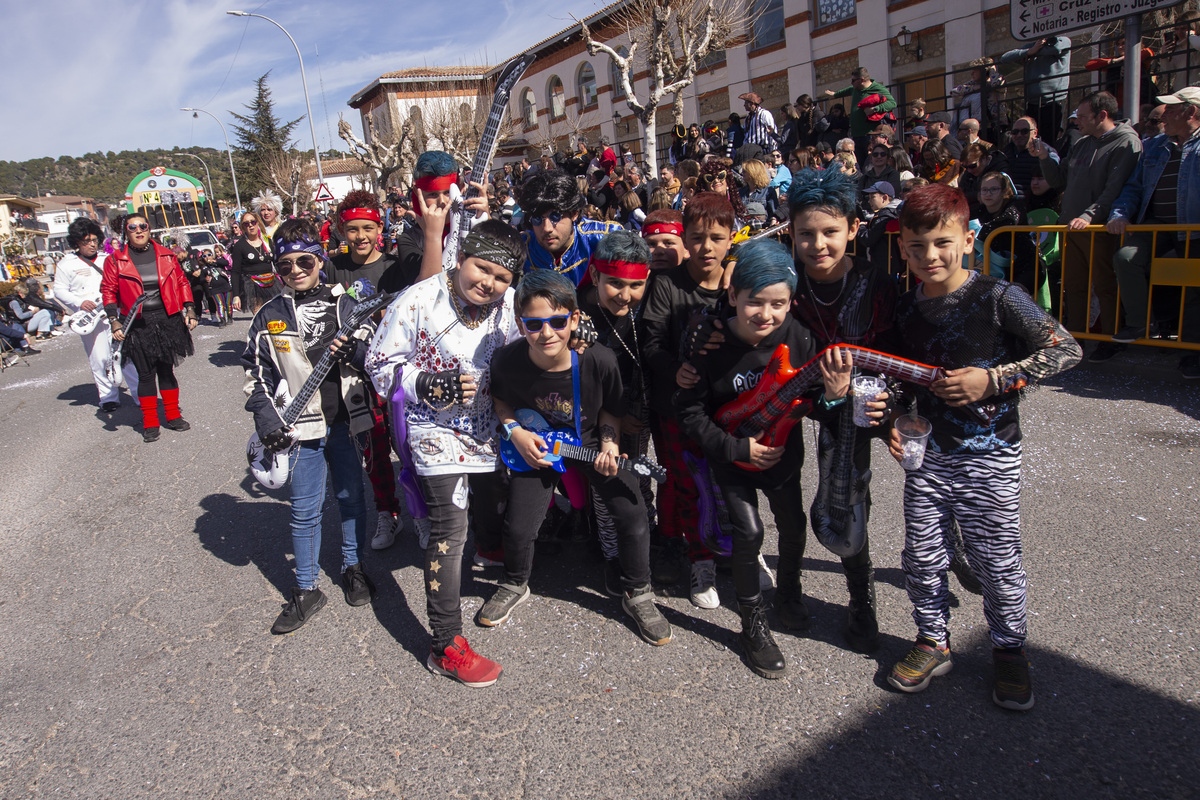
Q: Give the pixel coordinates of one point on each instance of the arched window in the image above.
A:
(529, 108)
(558, 98)
(615, 75)
(586, 84)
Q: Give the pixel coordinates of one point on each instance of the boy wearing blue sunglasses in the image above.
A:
(582, 392)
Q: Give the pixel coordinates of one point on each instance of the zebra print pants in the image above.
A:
(982, 492)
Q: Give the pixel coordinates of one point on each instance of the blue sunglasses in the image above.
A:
(555, 217)
(557, 322)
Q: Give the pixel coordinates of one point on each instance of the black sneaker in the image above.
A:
(612, 578)
(1189, 367)
(358, 588)
(29, 351)
(763, 655)
(108, 408)
(1011, 687)
(177, 424)
(500, 607)
(1105, 351)
(667, 568)
(1131, 333)
(150, 434)
(651, 624)
(296, 612)
(926, 659)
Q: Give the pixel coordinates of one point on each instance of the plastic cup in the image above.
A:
(914, 436)
(469, 367)
(865, 388)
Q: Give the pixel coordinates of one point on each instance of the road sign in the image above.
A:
(323, 194)
(1036, 19)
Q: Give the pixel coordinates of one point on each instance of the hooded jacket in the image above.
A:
(1094, 173)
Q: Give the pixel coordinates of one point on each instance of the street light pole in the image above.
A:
(312, 127)
(236, 193)
(212, 198)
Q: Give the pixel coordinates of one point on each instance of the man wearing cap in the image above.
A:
(938, 127)
(1091, 177)
(862, 120)
(882, 134)
(881, 202)
(760, 125)
(1164, 189)
(916, 140)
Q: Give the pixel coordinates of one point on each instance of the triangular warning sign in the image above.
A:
(323, 194)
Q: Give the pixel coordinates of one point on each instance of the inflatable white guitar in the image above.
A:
(84, 322)
(271, 468)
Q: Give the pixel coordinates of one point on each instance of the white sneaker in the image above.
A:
(385, 531)
(704, 590)
(422, 527)
(56, 332)
(766, 578)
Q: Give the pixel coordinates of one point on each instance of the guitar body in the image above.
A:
(776, 435)
(533, 421)
(715, 529)
(764, 400)
(84, 322)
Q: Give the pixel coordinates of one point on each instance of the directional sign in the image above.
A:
(323, 194)
(1037, 19)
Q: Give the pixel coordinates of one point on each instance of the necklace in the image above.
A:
(812, 294)
(461, 310)
(612, 325)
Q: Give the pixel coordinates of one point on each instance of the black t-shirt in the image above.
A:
(410, 250)
(619, 334)
(316, 317)
(364, 280)
(521, 384)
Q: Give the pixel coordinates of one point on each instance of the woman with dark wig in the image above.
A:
(159, 337)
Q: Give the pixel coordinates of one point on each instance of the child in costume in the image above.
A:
(993, 341)
(287, 336)
(760, 293)
(579, 391)
(443, 332)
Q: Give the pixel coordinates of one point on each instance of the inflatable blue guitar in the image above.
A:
(564, 444)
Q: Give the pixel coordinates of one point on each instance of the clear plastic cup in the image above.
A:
(468, 367)
(914, 436)
(864, 389)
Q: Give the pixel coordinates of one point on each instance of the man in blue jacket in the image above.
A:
(1163, 189)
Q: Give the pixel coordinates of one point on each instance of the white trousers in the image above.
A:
(98, 346)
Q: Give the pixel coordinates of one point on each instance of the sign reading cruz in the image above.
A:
(1035, 19)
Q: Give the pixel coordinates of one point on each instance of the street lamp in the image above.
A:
(312, 128)
(212, 198)
(196, 112)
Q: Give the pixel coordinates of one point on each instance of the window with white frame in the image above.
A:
(558, 97)
(586, 84)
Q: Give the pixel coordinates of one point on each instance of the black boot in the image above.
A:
(862, 628)
(789, 601)
(762, 653)
(576, 528)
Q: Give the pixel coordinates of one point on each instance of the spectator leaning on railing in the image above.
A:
(1163, 189)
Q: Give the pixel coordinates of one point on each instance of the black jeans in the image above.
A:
(528, 498)
(447, 499)
(741, 502)
(162, 378)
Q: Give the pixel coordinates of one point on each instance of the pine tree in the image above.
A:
(261, 135)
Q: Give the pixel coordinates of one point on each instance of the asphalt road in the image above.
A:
(138, 583)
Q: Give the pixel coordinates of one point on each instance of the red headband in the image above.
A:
(436, 183)
(629, 270)
(361, 213)
(662, 227)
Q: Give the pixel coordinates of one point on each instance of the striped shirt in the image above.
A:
(761, 130)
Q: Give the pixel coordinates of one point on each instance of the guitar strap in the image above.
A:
(575, 391)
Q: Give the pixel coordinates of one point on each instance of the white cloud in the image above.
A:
(82, 76)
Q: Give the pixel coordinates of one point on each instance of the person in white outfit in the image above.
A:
(77, 286)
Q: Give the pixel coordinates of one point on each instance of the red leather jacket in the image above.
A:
(121, 284)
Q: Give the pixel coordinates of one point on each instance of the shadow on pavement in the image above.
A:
(242, 533)
(1092, 734)
(228, 354)
(1130, 386)
(83, 394)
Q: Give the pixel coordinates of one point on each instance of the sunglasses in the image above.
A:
(719, 176)
(249, 223)
(972, 165)
(1020, 131)
(881, 154)
(304, 263)
(1154, 119)
(557, 322)
(137, 226)
(555, 217)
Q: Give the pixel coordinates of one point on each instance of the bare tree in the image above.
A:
(286, 170)
(384, 156)
(457, 126)
(672, 38)
(569, 126)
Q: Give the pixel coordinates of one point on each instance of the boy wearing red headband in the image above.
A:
(419, 248)
(663, 231)
(619, 271)
(363, 271)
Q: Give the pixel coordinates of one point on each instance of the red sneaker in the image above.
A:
(464, 665)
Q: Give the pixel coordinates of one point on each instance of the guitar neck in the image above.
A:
(577, 453)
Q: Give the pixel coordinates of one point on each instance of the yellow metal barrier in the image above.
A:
(1182, 272)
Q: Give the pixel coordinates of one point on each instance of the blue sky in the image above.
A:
(82, 76)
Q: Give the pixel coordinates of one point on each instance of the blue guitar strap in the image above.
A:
(575, 390)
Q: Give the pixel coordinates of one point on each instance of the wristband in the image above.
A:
(506, 430)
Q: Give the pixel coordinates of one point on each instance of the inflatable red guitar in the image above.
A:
(775, 405)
